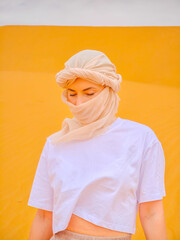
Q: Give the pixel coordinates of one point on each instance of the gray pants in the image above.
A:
(68, 235)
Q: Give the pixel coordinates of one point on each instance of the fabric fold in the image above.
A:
(91, 118)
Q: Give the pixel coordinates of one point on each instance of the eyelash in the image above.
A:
(87, 94)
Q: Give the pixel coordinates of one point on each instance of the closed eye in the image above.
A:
(86, 94)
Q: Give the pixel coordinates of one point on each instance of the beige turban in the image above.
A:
(94, 117)
(91, 65)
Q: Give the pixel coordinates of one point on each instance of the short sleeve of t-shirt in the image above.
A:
(41, 195)
(151, 181)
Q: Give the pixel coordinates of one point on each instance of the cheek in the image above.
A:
(97, 93)
(70, 99)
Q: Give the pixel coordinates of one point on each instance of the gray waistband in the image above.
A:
(68, 235)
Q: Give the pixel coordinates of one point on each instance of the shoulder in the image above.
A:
(149, 143)
(145, 132)
(141, 127)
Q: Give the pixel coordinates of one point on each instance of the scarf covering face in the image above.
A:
(93, 117)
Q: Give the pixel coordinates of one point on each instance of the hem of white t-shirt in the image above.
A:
(90, 218)
(39, 205)
(153, 198)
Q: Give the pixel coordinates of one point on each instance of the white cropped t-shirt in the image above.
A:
(101, 180)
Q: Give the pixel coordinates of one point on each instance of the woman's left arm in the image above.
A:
(153, 220)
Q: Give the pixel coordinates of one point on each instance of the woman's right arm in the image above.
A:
(41, 228)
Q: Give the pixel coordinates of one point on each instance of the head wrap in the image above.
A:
(92, 65)
(93, 117)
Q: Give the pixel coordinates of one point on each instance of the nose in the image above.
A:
(79, 100)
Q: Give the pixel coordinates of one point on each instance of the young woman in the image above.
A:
(96, 172)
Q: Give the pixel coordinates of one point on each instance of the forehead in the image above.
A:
(81, 84)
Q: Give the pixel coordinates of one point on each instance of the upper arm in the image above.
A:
(41, 195)
(151, 185)
(44, 214)
(148, 209)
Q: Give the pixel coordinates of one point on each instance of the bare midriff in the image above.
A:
(82, 226)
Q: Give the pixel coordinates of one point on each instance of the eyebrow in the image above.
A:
(83, 89)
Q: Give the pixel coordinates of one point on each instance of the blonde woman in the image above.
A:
(96, 172)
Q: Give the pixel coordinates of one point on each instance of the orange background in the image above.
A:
(31, 106)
